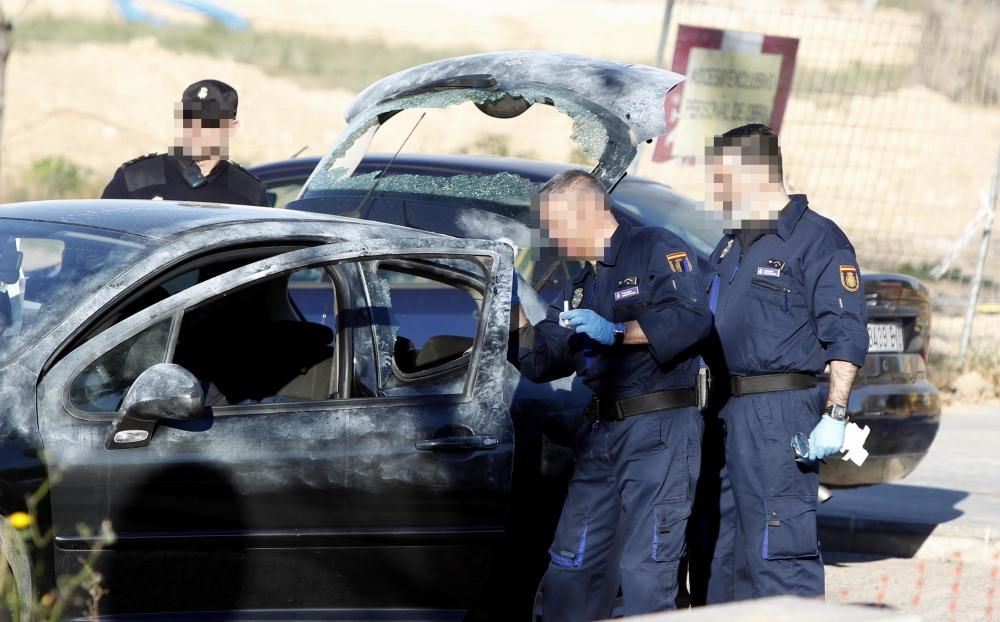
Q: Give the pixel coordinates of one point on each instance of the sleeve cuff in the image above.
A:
(846, 352)
(651, 325)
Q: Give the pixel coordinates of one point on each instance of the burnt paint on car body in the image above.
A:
(264, 488)
(634, 93)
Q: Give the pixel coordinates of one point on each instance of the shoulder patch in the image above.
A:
(243, 169)
(141, 158)
(849, 278)
(145, 171)
(679, 261)
(244, 183)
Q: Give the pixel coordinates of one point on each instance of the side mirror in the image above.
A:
(164, 391)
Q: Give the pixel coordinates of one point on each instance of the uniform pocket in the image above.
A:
(669, 528)
(790, 528)
(766, 405)
(570, 546)
(771, 292)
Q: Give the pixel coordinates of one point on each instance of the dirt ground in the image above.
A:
(60, 100)
(952, 591)
(916, 166)
(622, 29)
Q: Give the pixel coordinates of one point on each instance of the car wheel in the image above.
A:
(18, 579)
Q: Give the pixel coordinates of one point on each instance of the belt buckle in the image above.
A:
(593, 409)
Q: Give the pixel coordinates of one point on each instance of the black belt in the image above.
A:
(616, 410)
(746, 385)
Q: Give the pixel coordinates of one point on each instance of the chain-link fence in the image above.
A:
(892, 129)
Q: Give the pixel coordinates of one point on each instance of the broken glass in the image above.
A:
(338, 170)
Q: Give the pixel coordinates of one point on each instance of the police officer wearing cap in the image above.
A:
(197, 167)
(785, 290)
(629, 325)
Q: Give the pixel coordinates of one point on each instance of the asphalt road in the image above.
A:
(955, 493)
(950, 502)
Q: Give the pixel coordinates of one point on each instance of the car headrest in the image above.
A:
(296, 334)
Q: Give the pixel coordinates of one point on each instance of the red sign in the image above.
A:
(734, 78)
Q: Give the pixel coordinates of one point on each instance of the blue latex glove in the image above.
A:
(515, 299)
(826, 438)
(587, 322)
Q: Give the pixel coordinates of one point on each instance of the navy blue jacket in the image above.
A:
(792, 301)
(648, 275)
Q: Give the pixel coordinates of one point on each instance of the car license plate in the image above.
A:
(885, 337)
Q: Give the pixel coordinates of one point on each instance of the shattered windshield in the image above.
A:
(419, 126)
(49, 269)
(506, 188)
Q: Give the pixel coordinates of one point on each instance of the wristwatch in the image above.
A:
(837, 412)
(619, 332)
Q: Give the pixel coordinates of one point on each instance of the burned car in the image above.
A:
(481, 196)
(159, 371)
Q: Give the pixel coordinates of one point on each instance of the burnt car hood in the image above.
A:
(615, 106)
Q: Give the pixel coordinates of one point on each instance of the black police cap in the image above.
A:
(209, 99)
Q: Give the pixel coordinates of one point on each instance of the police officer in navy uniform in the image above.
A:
(785, 290)
(198, 166)
(629, 324)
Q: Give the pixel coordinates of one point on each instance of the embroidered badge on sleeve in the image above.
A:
(849, 278)
(679, 261)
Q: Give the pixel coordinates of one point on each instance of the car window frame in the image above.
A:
(97, 323)
(338, 253)
(459, 279)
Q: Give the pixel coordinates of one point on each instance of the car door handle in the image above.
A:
(457, 443)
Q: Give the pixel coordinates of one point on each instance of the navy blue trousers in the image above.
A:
(757, 523)
(625, 517)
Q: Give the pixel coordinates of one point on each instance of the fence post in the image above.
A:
(977, 278)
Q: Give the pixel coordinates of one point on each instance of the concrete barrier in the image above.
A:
(781, 609)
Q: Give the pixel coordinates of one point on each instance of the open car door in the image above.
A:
(336, 463)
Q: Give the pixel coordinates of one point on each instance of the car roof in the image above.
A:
(165, 219)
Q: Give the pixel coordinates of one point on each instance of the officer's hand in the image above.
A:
(587, 322)
(826, 438)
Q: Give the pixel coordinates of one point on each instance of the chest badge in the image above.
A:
(849, 278)
(725, 250)
(776, 263)
(577, 298)
(762, 271)
(628, 282)
(628, 292)
(679, 261)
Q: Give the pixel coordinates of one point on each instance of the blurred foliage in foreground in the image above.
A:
(54, 177)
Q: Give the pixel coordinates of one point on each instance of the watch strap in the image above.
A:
(619, 331)
(837, 412)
